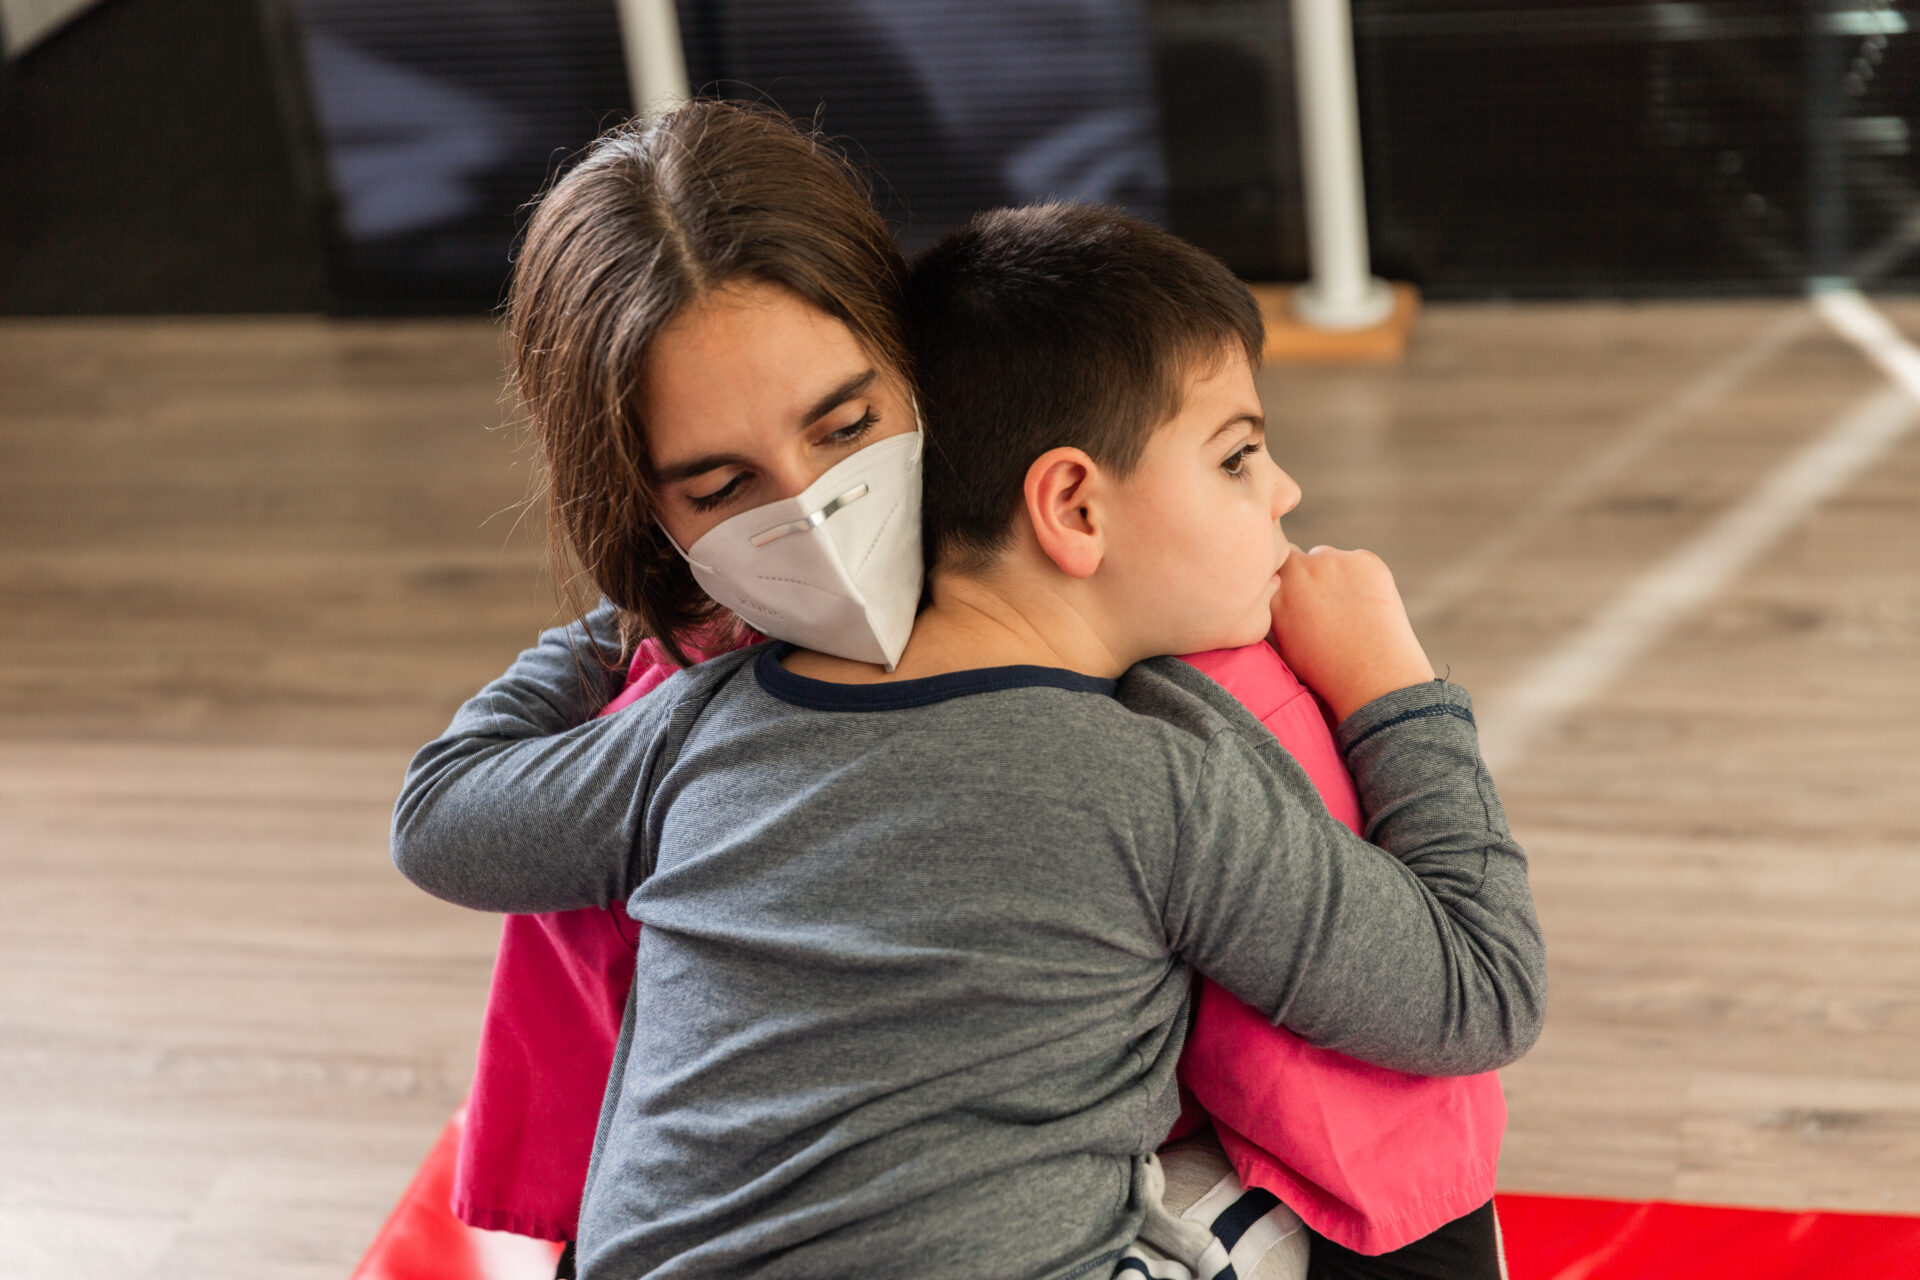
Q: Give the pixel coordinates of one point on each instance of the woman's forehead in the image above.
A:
(744, 362)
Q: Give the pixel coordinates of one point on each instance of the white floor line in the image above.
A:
(1588, 662)
(1465, 575)
(1862, 324)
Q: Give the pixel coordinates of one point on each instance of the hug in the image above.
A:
(967, 838)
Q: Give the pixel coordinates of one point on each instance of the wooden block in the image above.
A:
(1291, 342)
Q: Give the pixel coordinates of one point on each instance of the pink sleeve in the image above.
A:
(1370, 1158)
(559, 991)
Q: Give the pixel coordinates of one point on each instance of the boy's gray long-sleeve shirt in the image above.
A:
(915, 966)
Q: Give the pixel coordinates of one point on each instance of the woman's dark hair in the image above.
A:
(1053, 325)
(656, 214)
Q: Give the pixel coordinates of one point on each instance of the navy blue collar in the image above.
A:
(825, 695)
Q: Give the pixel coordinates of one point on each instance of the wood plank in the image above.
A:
(246, 567)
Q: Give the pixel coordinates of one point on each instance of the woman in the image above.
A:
(651, 220)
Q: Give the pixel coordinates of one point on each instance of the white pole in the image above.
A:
(1343, 293)
(656, 65)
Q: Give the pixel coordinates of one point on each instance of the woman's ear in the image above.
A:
(1060, 490)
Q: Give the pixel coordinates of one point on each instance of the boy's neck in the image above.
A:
(1002, 618)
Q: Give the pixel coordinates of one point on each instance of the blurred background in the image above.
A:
(354, 156)
(1647, 474)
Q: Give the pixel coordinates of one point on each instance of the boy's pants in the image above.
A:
(1468, 1248)
(1200, 1224)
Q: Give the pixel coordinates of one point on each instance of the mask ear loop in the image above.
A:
(665, 533)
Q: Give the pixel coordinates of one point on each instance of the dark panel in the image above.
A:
(144, 167)
(1517, 154)
(1566, 147)
(1225, 90)
(955, 105)
(1881, 87)
(208, 155)
(438, 121)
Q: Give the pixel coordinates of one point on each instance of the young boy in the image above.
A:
(917, 945)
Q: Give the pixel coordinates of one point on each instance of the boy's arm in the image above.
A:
(519, 805)
(1423, 954)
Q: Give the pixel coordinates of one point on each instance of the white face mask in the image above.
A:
(836, 568)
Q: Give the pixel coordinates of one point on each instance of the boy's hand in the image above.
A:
(1339, 622)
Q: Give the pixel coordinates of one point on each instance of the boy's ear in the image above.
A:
(1059, 492)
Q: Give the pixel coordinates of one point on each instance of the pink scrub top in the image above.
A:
(1370, 1158)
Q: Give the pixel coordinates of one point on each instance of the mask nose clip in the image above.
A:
(811, 521)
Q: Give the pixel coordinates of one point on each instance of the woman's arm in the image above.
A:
(519, 805)
(569, 674)
(1422, 954)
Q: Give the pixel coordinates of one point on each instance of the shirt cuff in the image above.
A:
(1420, 701)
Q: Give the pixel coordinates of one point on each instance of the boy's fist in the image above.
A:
(1339, 622)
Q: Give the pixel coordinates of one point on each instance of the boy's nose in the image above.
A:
(1286, 493)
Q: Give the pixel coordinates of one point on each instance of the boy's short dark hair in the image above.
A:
(1054, 325)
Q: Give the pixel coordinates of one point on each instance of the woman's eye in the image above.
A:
(1236, 462)
(855, 429)
(708, 501)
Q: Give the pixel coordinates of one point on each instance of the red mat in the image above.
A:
(422, 1240)
(1547, 1237)
(1559, 1238)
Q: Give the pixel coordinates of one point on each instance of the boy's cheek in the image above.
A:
(1226, 622)
(1256, 631)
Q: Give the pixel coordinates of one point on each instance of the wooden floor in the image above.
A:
(246, 567)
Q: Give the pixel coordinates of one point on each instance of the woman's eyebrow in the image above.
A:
(697, 466)
(691, 467)
(847, 390)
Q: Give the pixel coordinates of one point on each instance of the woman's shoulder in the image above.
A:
(1260, 680)
(1249, 706)
(1255, 674)
(1252, 680)
(1189, 705)
(651, 668)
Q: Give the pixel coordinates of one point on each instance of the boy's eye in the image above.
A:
(1235, 463)
(854, 430)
